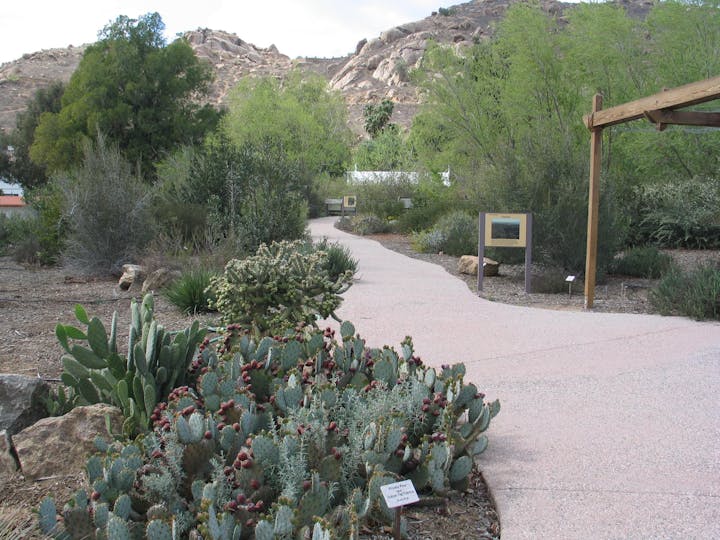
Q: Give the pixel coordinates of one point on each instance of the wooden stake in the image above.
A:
(593, 207)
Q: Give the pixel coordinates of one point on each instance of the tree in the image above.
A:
(19, 167)
(299, 114)
(377, 117)
(134, 88)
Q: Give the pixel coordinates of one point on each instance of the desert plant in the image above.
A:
(108, 211)
(279, 287)
(364, 224)
(428, 241)
(455, 234)
(280, 436)
(679, 214)
(157, 361)
(339, 259)
(191, 292)
(695, 293)
(642, 262)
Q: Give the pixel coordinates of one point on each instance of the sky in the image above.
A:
(323, 28)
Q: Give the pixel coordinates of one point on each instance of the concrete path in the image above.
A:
(610, 423)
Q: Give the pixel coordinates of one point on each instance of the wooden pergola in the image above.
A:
(661, 109)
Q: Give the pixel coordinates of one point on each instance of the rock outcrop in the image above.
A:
(379, 69)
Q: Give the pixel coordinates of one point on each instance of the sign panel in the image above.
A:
(505, 230)
(349, 201)
(399, 494)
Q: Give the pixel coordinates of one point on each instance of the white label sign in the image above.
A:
(399, 494)
(570, 279)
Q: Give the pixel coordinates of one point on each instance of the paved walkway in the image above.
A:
(610, 423)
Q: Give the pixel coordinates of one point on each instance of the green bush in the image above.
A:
(695, 294)
(285, 438)
(192, 292)
(642, 262)
(363, 224)
(382, 198)
(454, 234)
(684, 213)
(279, 287)
(339, 259)
(430, 241)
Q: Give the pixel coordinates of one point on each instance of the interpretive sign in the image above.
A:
(505, 230)
(399, 494)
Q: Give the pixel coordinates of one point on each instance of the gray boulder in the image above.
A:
(21, 401)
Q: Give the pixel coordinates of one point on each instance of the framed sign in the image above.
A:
(349, 201)
(505, 230)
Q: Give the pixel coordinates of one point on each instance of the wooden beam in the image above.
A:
(682, 96)
(593, 207)
(684, 118)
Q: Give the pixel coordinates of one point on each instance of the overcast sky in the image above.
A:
(297, 27)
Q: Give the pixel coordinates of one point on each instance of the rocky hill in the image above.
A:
(377, 70)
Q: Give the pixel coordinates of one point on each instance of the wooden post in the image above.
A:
(593, 206)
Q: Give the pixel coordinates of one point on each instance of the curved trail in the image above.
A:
(610, 423)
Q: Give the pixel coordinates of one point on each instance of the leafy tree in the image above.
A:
(299, 114)
(136, 89)
(377, 117)
(387, 151)
(20, 167)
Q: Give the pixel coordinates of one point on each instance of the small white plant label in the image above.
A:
(399, 494)
(570, 279)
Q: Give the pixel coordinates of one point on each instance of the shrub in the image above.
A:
(192, 292)
(695, 294)
(363, 224)
(286, 438)
(430, 241)
(279, 287)
(679, 214)
(642, 262)
(108, 209)
(455, 234)
(339, 259)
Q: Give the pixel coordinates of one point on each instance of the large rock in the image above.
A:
(132, 273)
(60, 445)
(21, 401)
(159, 279)
(468, 264)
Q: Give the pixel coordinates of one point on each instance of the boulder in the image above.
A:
(468, 264)
(21, 401)
(159, 279)
(60, 445)
(8, 460)
(132, 273)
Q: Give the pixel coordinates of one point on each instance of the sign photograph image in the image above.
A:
(506, 228)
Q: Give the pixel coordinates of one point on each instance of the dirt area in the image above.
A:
(34, 300)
